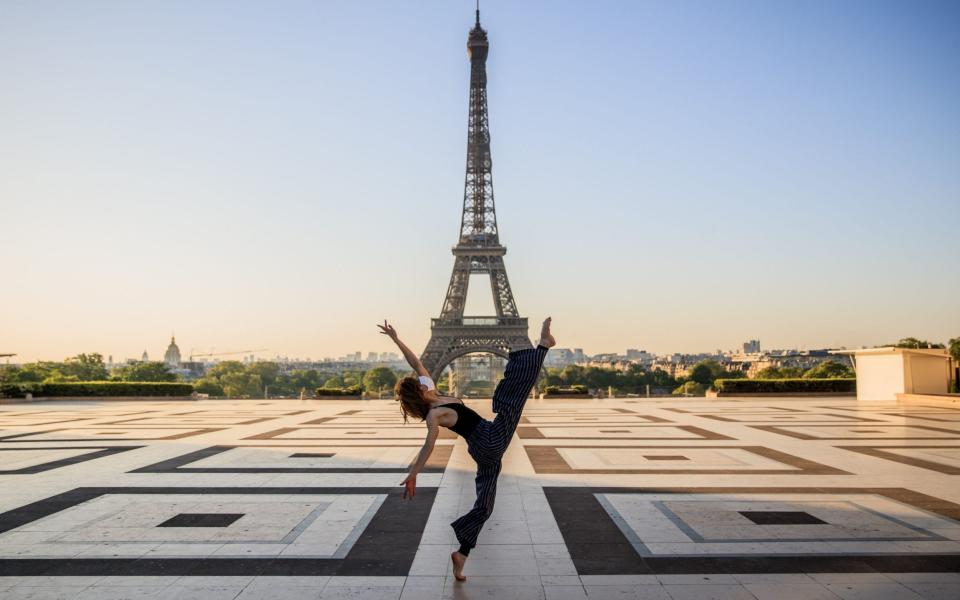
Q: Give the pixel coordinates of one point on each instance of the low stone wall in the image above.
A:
(565, 396)
(715, 394)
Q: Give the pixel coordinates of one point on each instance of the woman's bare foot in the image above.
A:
(459, 561)
(546, 338)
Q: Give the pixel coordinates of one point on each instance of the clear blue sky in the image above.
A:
(674, 176)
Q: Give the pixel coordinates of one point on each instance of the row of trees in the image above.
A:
(234, 378)
(632, 380)
(635, 379)
(952, 346)
(228, 378)
(84, 367)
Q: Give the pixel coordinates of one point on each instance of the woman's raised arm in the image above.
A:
(412, 359)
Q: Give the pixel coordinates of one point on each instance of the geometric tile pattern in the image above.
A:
(939, 458)
(301, 459)
(866, 431)
(649, 498)
(677, 460)
(106, 434)
(269, 530)
(695, 527)
(36, 459)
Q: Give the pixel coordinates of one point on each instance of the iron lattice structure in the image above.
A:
(479, 250)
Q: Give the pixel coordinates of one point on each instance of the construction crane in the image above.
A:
(230, 353)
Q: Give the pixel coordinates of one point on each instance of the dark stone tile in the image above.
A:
(202, 520)
(313, 455)
(781, 517)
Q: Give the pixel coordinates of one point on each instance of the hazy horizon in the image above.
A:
(674, 177)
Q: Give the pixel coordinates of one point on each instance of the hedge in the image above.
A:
(96, 388)
(573, 389)
(785, 386)
(353, 390)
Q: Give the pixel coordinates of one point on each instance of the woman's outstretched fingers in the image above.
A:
(410, 487)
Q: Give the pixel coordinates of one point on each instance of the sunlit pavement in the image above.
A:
(626, 498)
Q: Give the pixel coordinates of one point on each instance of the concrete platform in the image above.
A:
(628, 498)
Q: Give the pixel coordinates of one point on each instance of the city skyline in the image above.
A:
(156, 353)
(268, 178)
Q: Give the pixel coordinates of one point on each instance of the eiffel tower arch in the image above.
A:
(478, 250)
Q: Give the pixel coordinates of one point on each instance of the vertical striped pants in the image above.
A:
(490, 439)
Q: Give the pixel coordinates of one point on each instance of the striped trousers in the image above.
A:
(490, 439)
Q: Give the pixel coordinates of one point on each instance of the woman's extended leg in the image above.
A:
(519, 377)
(467, 528)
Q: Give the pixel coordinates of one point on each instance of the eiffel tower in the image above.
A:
(479, 250)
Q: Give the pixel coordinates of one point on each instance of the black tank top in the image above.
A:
(467, 419)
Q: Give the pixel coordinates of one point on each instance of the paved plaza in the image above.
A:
(629, 498)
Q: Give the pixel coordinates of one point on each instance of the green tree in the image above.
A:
(28, 373)
(701, 373)
(334, 381)
(223, 368)
(829, 370)
(779, 373)
(241, 385)
(706, 371)
(661, 378)
(290, 384)
(352, 378)
(85, 367)
(268, 371)
(769, 373)
(953, 346)
(208, 385)
(144, 371)
(691, 388)
(379, 378)
(912, 342)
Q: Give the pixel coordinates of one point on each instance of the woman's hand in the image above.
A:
(411, 487)
(387, 329)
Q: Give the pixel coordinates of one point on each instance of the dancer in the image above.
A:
(486, 440)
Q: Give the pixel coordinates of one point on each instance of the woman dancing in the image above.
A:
(486, 440)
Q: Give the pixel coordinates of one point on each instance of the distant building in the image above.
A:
(477, 374)
(191, 370)
(559, 357)
(751, 347)
(172, 355)
(373, 357)
(799, 359)
(640, 356)
(145, 357)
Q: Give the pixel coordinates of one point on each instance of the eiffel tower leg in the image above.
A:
(456, 298)
(500, 285)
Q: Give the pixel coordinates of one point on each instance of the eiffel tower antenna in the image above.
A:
(478, 250)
